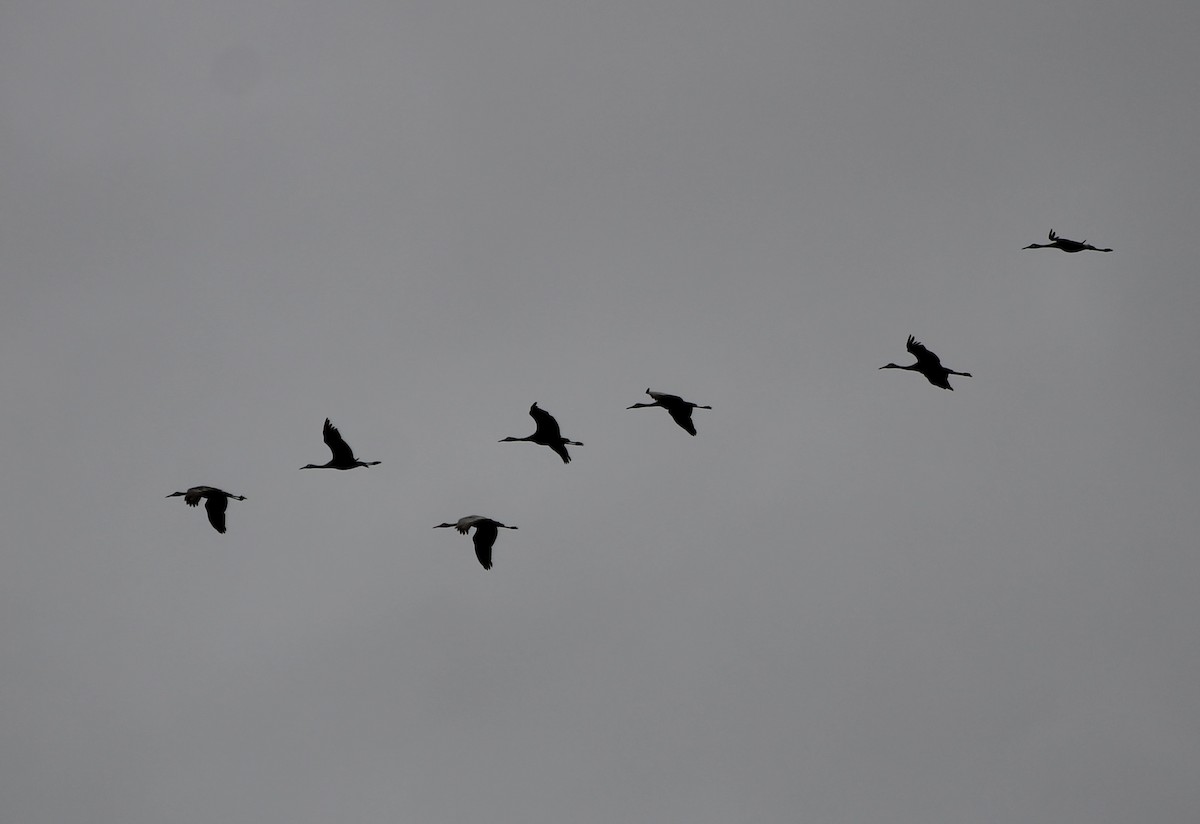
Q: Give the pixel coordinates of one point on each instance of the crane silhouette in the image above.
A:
(343, 455)
(679, 409)
(928, 364)
(546, 434)
(1071, 246)
(486, 531)
(216, 502)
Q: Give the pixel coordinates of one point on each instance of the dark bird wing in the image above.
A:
(924, 357)
(682, 415)
(342, 453)
(464, 524)
(484, 538)
(561, 448)
(216, 505)
(939, 378)
(547, 427)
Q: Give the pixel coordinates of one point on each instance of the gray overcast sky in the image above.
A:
(852, 598)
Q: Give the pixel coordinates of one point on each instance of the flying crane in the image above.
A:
(486, 531)
(546, 434)
(1066, 245)
(216, 500)
(928, 364)
(679, 409)
(343, 455)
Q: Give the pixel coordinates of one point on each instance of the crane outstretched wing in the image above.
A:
(465, 524)
(216, 505)
(484, 538)
(682, 415)
(342, 453)
(547, 427)
(923, 355)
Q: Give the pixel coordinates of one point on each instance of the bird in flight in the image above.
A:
(343, 455)
(486, 531)
(546, 434)
(1072, 246)
(679, 409)
(928, 364)
(216, 502)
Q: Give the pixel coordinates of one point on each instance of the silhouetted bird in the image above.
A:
(928, 364)
(485, 535)
(676, 407)
(547, 433)
(343, 455)
(1057, 242)
(217, 500)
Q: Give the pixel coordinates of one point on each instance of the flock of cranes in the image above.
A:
(548, 433)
